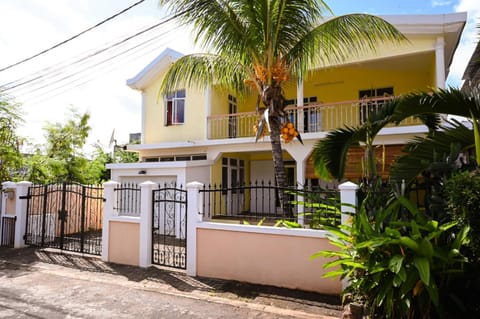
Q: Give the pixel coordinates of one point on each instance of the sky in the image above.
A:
(50, 85)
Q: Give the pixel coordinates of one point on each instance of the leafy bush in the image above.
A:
(396, 260)
(463, 203)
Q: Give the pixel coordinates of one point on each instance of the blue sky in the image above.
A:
(392, 7)
(29, 26)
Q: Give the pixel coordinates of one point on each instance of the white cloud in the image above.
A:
(440, 3)
(468, 41)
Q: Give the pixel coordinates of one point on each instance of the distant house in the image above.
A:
(208, 136)
(471, 76)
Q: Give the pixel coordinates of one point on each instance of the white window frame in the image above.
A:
(177, 99)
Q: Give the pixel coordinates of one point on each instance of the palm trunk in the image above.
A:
(278, 164)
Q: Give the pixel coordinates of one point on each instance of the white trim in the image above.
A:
(297, 232)
(427, 23)
(144, 117)
(125, 219)
(148, 73)
(151, 165)
(440, 63)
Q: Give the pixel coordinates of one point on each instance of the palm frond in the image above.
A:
(451, 101)
(330, 154)
(423, 151)
(340, 38)
(200, 70)
(217, 25)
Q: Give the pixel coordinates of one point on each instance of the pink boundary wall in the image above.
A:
(281, 260)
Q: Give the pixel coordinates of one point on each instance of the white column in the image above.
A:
(440, 63)
(8, 190)
(7, 187)
(146, 217)
(348, 200)
(300, 182)
(21, 213)
(194, 216)
(300, 154)
(108, 213)
(300, 126)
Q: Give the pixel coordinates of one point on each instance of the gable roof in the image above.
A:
(151, 71)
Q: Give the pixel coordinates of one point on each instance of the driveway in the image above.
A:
(38, 283)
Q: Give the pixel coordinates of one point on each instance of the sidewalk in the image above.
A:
(107, 283)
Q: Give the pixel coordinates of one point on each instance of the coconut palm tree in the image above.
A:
(256, 46)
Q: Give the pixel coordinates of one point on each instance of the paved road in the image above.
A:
(53, 285)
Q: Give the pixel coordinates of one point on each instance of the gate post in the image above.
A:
(108, 212)
(146, 217)
(8, 192)
(349, 202)
(21, 213)
(194, 216)
(348, 199)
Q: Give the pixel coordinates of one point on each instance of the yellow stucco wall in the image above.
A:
(390, 66)
(195, 116)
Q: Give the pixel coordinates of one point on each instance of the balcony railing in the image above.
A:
(313, 118)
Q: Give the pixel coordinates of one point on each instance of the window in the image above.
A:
(368, 107)
(175, 108)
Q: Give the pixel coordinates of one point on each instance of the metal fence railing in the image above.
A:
(260, 201)
(127, 199)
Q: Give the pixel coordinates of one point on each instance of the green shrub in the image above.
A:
(463, 203)
(396, 260)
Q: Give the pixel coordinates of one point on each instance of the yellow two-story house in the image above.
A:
(208, 136)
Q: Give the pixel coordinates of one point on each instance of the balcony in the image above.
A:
(312, 118)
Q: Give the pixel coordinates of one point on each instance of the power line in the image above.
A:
(10, 87)
(71, 38)
(72, 79)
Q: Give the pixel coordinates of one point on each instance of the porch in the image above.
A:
(311, 118)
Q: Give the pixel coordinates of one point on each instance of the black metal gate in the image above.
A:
(65, 216)
(169, 236)
(8, 231)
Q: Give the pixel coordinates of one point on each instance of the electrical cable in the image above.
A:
(7, 88)
(71, 38)
(86, 79)
(85, 59)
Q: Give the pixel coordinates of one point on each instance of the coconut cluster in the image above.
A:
(288, 132)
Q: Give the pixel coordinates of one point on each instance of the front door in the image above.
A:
(233, 177)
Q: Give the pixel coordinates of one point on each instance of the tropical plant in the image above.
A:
(463, 203)
(255, 47)
(398, 263)
(449, 146)
(330, 153)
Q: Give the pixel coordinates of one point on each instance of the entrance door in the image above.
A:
(233, 177)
